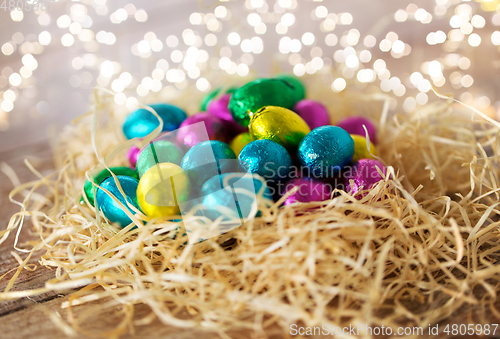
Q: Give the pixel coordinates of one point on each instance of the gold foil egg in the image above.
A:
(280, 125)
(161, 189)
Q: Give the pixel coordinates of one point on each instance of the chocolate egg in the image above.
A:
(111, 209)
(259, 93)
(361, 149)
(161, 189)
(104, 174)
(266, 158)
(157, 152)
(200, 127)
(313, 112)
(280, 125)
(206, 159)
(132, 155)
(354, 125)
(309, 189)
(205, 101)
(235, 193)
(325, 151)
(142, 122)
(362, 175)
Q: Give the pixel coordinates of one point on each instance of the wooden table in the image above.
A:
(34, 317)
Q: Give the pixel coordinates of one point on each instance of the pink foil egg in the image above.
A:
(313, 112)
(133, 155)
(362, 175)
(354, 125)
(200, 127)
(219, 108)
(309, 189)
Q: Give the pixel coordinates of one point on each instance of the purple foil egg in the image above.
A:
(313, 112)
(309, 190)
(362, 175)
(200, 127)
(354, 125)
(133, 155)
(220, 109)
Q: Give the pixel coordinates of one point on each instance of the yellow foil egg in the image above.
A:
(360, 149)
(240, 141)
(280, 125)
(156, 195)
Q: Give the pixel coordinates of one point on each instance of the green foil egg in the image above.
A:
(157, 152)
(259, 93)
(280, 125)
(300, 89)
(103, 175)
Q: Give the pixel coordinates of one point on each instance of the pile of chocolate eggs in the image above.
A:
(266, 131)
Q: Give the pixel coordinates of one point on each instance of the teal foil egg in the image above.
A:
(158, 152)
(300, 89)
(235, 192)
(325, 150)
(109, 207)
(99, 178)
(206, 159)
(142, 122)
(259, 93)
(266, 158)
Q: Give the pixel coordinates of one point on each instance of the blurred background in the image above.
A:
(53, 54)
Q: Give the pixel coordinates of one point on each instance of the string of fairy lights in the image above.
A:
(232, 36)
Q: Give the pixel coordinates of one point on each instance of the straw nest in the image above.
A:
(422, 244)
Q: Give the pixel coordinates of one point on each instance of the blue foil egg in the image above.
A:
(266, 158)
(206, 159)
(109, 207)
(325, 150)
(235, 193)
(142, 122)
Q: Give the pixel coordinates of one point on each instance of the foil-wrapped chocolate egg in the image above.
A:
(206, 159)
(313, 112)
(325, 151)
(232, 195)
(205, 101)
(111, 209)
(161, 189)
(354, 125)
(142, 122)
(361, 149)
(133, 155)
(266, 158)
(103, 175)
(157, 152)
(192, 132)
(309, 189)
(280, 125)
(259, 93)
(363, 175)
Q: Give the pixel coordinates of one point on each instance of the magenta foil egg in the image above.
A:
(309, 189)
(354, 125)
(362, 175)
(200, 127)
(133, 155)
(220, 109)
(313, 112)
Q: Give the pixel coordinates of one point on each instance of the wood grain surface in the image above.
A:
(36, 317)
